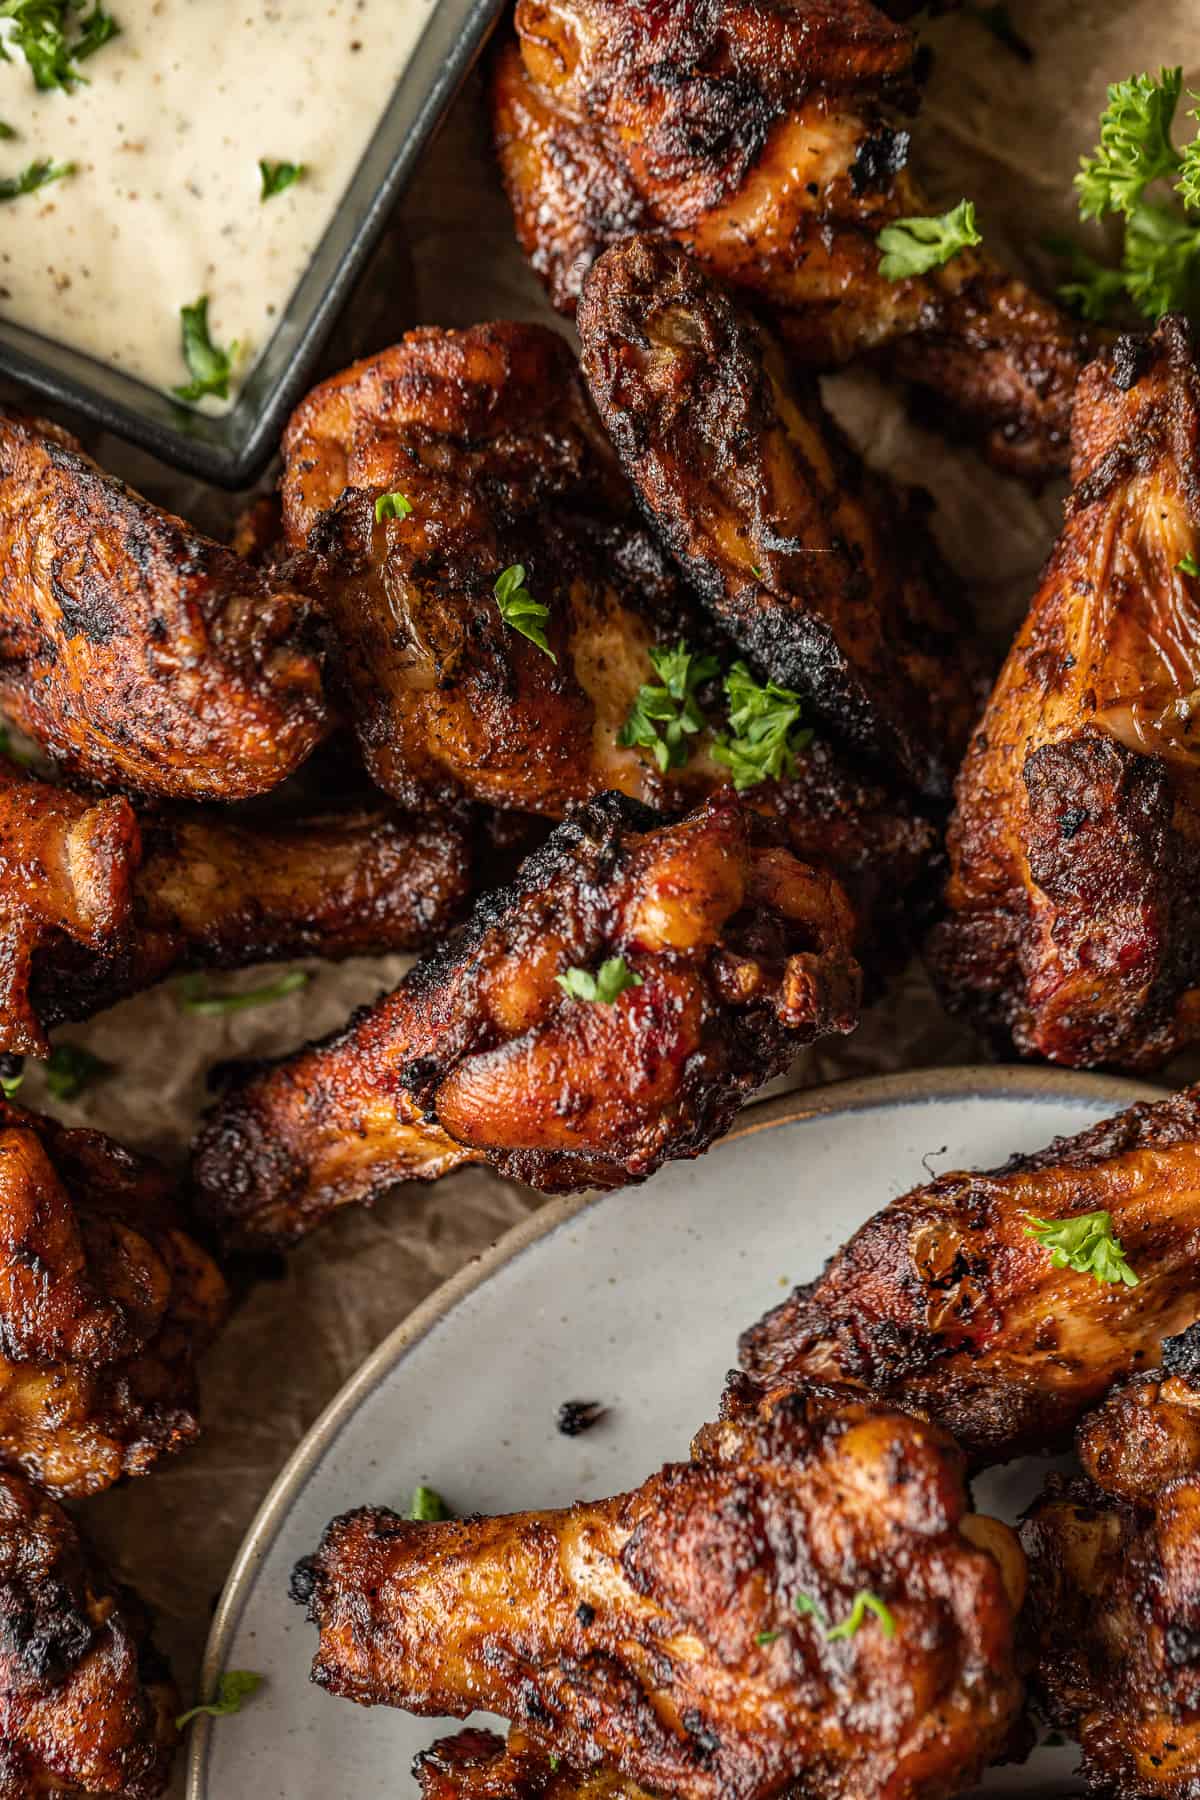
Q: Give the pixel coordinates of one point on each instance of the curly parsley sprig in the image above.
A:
(765, 736)
(666, 713)
(1085, 1243)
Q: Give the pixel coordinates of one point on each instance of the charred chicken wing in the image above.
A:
(478, 1765)
(953, 1303)
(1114, 1587)
(766, 137)
(87, 1704)
(804, 557)
(610, 1010)
(136, 652)
(106, 1303)
(807, 1602)
(1074, 922)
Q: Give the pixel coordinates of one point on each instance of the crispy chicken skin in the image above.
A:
(96, 904)
(138, 653)
(658, 1632)
(806, 560)
(1073, 926)
(942, 1303)
(765, 137)
(480, 1056)
(87, 1703)
(479, 1765)
(1110, 1629)
(106, 1304)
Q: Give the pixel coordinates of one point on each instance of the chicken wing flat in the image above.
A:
(1110, 1628)
(96, 905)
(87, 1703)
(134, 651)
(733, 955)
(804, 557)
(106, 1301)
(767, 137)
(1073, 925)
(706, 1634)
(944, 1302)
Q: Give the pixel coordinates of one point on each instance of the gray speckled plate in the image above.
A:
(634, 1299)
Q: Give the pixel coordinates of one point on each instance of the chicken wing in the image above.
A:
(945, 1303)
(1110, 1628)
(96, 904)
(134, 651)
(805, 558)
(87, 1703)
(767, 137)
(807, 1602)
(106, 1302)
(1074, 892)
(478, 1765)
(733, 956)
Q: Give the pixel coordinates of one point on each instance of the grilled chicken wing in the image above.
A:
(1110, 1627)
(95, 904)
(135, 651)
(106, 1304)
(87, 1703)
(1074, 918)
(478, 1765)
(680, 1634)
(765, 137)
(740, 954)
(805, 558)
(944, 1303)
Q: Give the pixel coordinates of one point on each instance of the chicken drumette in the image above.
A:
(135, 651)
(106, 1303)
(87, 1704)
(1112, 1625)
(734, 955)
(807, 1605)
(1074, 895)
(948, 1303)
(765, 136)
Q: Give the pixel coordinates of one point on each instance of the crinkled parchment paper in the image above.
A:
(993, 129)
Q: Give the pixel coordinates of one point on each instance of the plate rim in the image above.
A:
(853, 1093)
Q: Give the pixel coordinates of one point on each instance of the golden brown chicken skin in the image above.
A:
(1073, 928)
(740, 953)
(1110, 1630)
(804, 558)
(680, 1634)
(136, 652)
(87, 1703)
(944, 1303)
(106, 1301)
(768, 140)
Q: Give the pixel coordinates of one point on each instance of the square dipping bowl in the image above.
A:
(233, 449)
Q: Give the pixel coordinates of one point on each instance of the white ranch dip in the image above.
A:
(167, 136)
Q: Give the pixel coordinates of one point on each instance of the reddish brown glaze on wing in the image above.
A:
(135, 651)
(943, 1303)
(106, 1301)
(804, 558)
(479, 1056)
(478, 1765)
(657, 1633)
(1074, 927)
(767, 140)
(87, 1703)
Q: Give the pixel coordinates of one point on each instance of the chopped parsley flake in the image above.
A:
(519, 610)
(211, 368)
(277, 177)
(392, 506)
(765, 736)
(195, 997)
(36, 175)
(1187, 565)
(864, 1602)
(665, 714)
(234, 1688)
(427, 1506)
(42, 31)
(914, 246)
(70, 1068)
(611, 979)
(1084, 1243)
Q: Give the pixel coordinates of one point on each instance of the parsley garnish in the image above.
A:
(392, 506)
(427, 1506)
(194, 996)
(610, 979)
(914, 246)
(6, 130)
(278, 176)
(1084, 1243)
(40, 32)
(765, 731)
(234, 1688)
(210, 367)
(864, 1602)
(554, 1762)
(70, 1068)
(1135, 145)
(1091, 290)
(520, 610)
(665, 715)
(807, 1607)
(12, 1074)
(37, 175)
(767, 1637)
(1187, 565)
